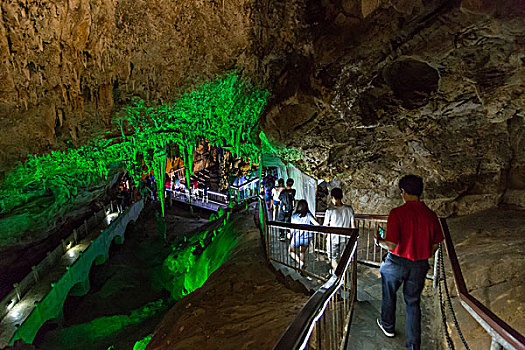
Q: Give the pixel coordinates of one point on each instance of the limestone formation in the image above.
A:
(368, 90)
(430, 88)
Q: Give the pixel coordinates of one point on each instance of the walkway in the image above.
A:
(364, 332)
(211, 204)
(45, 299)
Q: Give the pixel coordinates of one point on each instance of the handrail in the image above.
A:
(371, 216)
(246, 183)
(491, 322)
(298, 333)
(324, 229)
(23, 286)
(358, 216)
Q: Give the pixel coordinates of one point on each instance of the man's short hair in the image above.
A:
(412, 184)
(289, 182)
(337, 193)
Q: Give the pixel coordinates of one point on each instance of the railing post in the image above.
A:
(435, 277)
(35, 273)
(75, 236)
(354, 273)
(16, 286)
(85, 226)
(111, 206)
(494, 345)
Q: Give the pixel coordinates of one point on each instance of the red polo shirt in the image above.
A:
(415, 228)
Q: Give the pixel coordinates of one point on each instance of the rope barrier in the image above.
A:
(443, 279)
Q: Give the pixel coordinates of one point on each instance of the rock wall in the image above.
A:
(66, 66)
(368, 90)
(434, 88)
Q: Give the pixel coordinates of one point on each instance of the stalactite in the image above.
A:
(181, 124)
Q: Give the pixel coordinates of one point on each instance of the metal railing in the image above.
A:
(368, 225)
(323, 322)
(247, 190)
(21, 288)
(322, 242)
(212, 201)
(503, 335)
(370, 254)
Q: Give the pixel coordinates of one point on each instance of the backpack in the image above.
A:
(287, 197)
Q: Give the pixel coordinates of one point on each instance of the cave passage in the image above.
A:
(224, 112)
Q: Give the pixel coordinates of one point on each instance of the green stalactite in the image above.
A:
(211, 111)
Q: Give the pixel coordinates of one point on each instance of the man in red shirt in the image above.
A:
(413, 235)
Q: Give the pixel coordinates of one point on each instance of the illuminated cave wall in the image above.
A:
(67, 66)
(367, 90)
(434, 88)
(224, 112)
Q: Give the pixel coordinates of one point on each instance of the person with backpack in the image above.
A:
(301, 238)
(287, 204)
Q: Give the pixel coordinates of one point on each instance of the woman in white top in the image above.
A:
(276, 191)
(301, 238)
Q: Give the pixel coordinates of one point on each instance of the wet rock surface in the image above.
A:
(367, 90)
(431, 88)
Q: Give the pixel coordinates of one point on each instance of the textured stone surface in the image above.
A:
(368, 90)
(66, 65)
(496, 236)
(431, 89)
(242, 305)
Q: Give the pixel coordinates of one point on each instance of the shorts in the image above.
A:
(335, 244)
(276, 202)
(267, 196)
(300, 238)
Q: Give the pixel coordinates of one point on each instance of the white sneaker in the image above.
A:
(388, 334)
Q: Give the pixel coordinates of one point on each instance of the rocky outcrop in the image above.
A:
(399, 87)
(67, 66)
(242, 305)
(368, 90)
(495, 235)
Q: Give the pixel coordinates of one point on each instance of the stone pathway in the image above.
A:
(364, 332)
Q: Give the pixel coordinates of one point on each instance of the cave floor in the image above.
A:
(364, 332)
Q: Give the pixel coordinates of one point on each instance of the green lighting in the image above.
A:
(225, 112)
(193, 261)
(100, 329)
(141, 344)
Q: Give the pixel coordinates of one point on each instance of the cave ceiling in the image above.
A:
(367, 90)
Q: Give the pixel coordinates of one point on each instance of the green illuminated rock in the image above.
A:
(188, 267)
(225, 112)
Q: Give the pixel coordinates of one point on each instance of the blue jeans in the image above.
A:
(395, 271)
